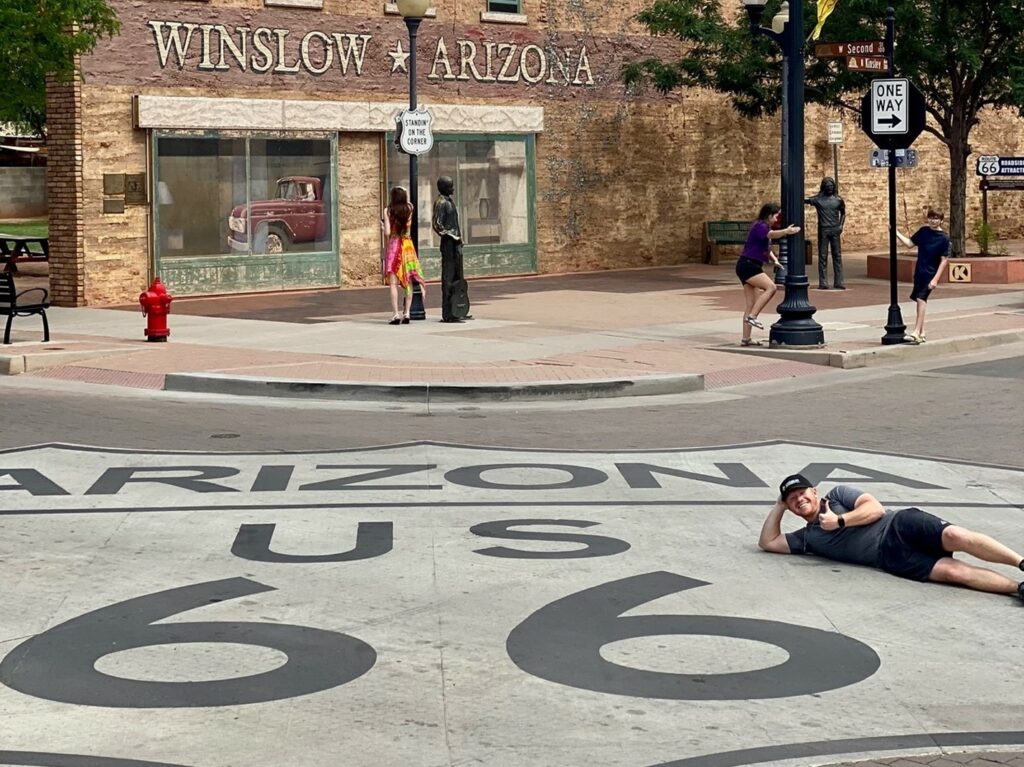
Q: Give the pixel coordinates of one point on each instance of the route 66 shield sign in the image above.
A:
(414, 131)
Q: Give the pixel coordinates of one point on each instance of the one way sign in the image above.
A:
(889, 106)
(893, 113)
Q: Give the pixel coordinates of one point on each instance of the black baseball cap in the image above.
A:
(793, 482)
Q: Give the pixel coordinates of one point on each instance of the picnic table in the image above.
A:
(17, 248)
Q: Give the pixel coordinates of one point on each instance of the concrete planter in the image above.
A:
(984, 270)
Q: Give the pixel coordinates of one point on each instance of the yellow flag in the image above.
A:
(825, 7)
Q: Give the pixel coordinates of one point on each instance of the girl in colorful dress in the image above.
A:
(401, 264)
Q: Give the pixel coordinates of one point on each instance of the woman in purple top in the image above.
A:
(758, 287)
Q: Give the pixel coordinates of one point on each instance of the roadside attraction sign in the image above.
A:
(992, 165)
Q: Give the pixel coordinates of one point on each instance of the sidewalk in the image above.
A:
(643, 331)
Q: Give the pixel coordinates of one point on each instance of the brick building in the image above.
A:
(167, 157)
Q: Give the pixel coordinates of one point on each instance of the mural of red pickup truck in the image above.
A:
(295, 216)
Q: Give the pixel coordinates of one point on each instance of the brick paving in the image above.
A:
(532, 330)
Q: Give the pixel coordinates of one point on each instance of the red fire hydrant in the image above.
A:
(156, 305)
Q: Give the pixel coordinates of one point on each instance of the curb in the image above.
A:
(14, 364)
(427, 392)
(860, 358)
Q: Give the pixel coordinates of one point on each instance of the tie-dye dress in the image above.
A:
(401, 260)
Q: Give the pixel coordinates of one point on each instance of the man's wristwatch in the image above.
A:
(842, 522)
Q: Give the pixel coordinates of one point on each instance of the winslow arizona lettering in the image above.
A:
(262, 50)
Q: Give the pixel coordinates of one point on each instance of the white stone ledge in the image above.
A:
(501, 17)
(207, 113)
(315, 4)
(391, 9)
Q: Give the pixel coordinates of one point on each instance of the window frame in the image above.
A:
(291, 264)
(492, 9)
(486, 259)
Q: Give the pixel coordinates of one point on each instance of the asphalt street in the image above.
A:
(208, 582)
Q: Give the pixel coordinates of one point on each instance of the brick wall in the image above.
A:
(65, 193)
(359, 207)
(118, 263)
(622, 179)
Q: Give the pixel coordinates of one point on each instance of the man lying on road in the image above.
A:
(849, 525)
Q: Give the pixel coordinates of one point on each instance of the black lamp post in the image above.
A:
(779, 21)
(796, 325)
(413, 12)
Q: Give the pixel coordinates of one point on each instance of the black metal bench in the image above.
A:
(15, 248)
(13, 304)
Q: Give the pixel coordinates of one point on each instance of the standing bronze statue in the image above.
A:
(445, 221)
(831, 218)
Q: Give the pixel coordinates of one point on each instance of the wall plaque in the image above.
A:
(135, 189)
(113, 183)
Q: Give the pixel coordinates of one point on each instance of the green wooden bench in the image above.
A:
(718, 233)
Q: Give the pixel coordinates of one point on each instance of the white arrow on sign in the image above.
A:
(889, 107)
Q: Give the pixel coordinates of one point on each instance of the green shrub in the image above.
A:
(985, 236)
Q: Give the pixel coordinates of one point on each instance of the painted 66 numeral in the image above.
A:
(562, 643)
(59, 663)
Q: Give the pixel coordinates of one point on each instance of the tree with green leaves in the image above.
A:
(40, 38)
(963, 55)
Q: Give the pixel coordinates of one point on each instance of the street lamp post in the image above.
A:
(796, 325)
(413, 12)
(779, 21)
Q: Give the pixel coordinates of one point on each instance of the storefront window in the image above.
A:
(491, 188)
(243, 196)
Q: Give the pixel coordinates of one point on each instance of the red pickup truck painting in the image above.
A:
(296, 215)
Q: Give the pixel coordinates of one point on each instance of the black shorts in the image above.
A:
(913, 544)
(747, 268)
(921, 289)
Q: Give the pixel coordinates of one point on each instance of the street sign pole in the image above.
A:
(895, 329)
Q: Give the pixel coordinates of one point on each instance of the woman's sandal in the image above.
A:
(395, 321)
(754, 322)
(750, 342)
(405, 320)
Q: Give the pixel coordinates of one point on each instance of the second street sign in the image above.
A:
(838, 50)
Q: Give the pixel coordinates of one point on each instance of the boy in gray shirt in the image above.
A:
(849, 525)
